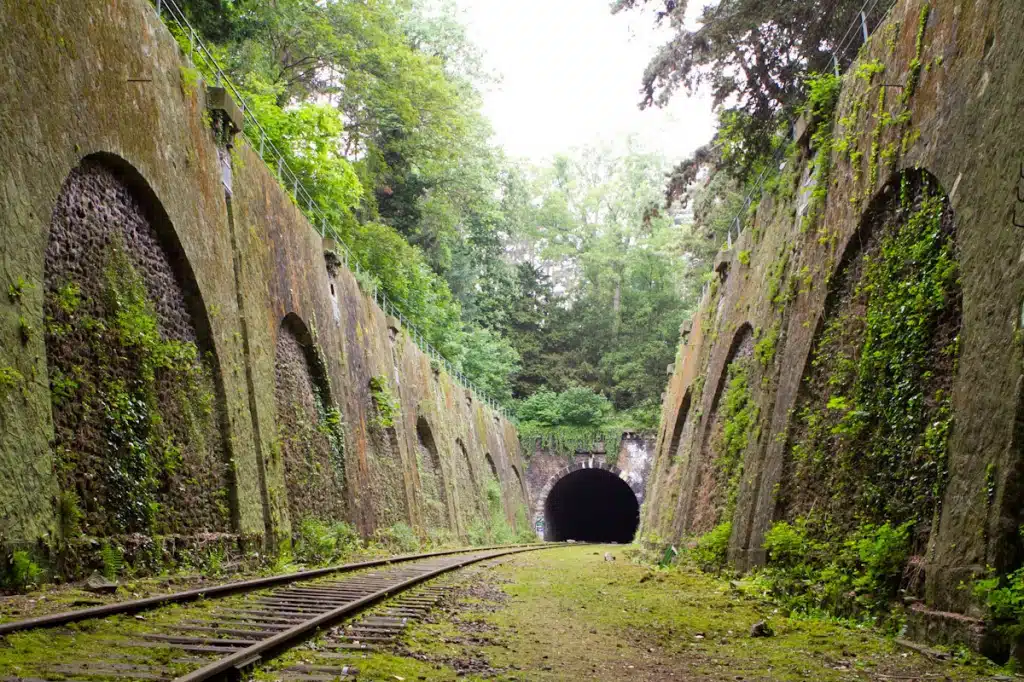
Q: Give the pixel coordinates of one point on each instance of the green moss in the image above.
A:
(190, 79)
(764, 350)
(744, 257)
(386, 405)
(874, 425)
(914, 77)
(16, 289)
(10, 379)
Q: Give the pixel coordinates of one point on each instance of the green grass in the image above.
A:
(568, 614)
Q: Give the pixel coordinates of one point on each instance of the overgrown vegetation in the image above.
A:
(144, 398)
(856, 575)
(385, 403)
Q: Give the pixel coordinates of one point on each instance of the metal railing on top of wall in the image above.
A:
(839, 62)
(260, 141)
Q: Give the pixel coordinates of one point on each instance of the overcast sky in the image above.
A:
(571, 76)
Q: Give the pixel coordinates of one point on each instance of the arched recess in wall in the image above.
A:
(432, 482)
(310, 436)
(387, 492)
(490, 465)
(468, 486)
(719, 464)
(136, 392)
(868, 439)
(522, 486)
(666, 479)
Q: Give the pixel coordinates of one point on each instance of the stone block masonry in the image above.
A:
(859, 360)
(180, 361)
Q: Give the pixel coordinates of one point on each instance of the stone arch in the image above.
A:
(541, 506)
(490, 464)
(136, 392)
(522, 486)
(667, 469)
(682, 414)
(310, 437)
(432, 481)
(897, 289)
(473, 487)
(716, 468)
(388, 495)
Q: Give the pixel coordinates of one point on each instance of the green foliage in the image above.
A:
(776, 47)
(111, 560)
(69, 298)
(812, 570)
(10, 379)
(712, 549)
(1003, 597)
(574, 420)
(399, 537)
(16, 289)
(875, 431)
(318, 542)
(69, 515)
(764, 349)
(385, 402)
(578, 406)
(823, 95)
(739, 413)
(744, 257)
(22, 572)
(190, 79)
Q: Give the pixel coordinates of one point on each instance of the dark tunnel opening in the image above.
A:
(591, 505)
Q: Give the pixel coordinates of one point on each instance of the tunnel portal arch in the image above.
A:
(588, 501)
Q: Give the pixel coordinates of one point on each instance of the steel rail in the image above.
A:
(245, 658)
(226, 589)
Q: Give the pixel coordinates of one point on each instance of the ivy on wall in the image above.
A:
(871, 431)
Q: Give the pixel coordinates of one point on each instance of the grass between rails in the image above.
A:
(568, 614)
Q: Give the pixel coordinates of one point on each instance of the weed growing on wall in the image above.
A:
(385, 403)
(140, 402)
(868, 454)
(739, 413)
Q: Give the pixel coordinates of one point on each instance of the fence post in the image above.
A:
(159, 7)
(864, 25)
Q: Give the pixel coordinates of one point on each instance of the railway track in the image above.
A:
(220, 638)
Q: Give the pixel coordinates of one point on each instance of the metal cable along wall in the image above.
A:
(260, 141)
(838, 64)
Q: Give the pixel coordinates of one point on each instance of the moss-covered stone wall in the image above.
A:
(881, 279)
(179, 361)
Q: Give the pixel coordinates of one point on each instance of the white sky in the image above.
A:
(570, 76)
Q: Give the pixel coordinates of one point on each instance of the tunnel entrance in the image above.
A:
(591, 505)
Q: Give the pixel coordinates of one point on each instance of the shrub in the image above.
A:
(855, 576)
(399, 537)
(317, 542)
(712, 549)
(22, 573)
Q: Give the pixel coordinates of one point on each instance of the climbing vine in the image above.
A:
(875, 417)
(384, 402)
(136, 399)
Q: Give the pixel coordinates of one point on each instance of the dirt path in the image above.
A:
(569, 614)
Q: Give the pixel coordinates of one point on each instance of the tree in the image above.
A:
(754, 57)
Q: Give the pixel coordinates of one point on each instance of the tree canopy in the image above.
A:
(559, 279)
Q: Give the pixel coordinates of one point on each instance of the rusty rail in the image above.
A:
(138, 605)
